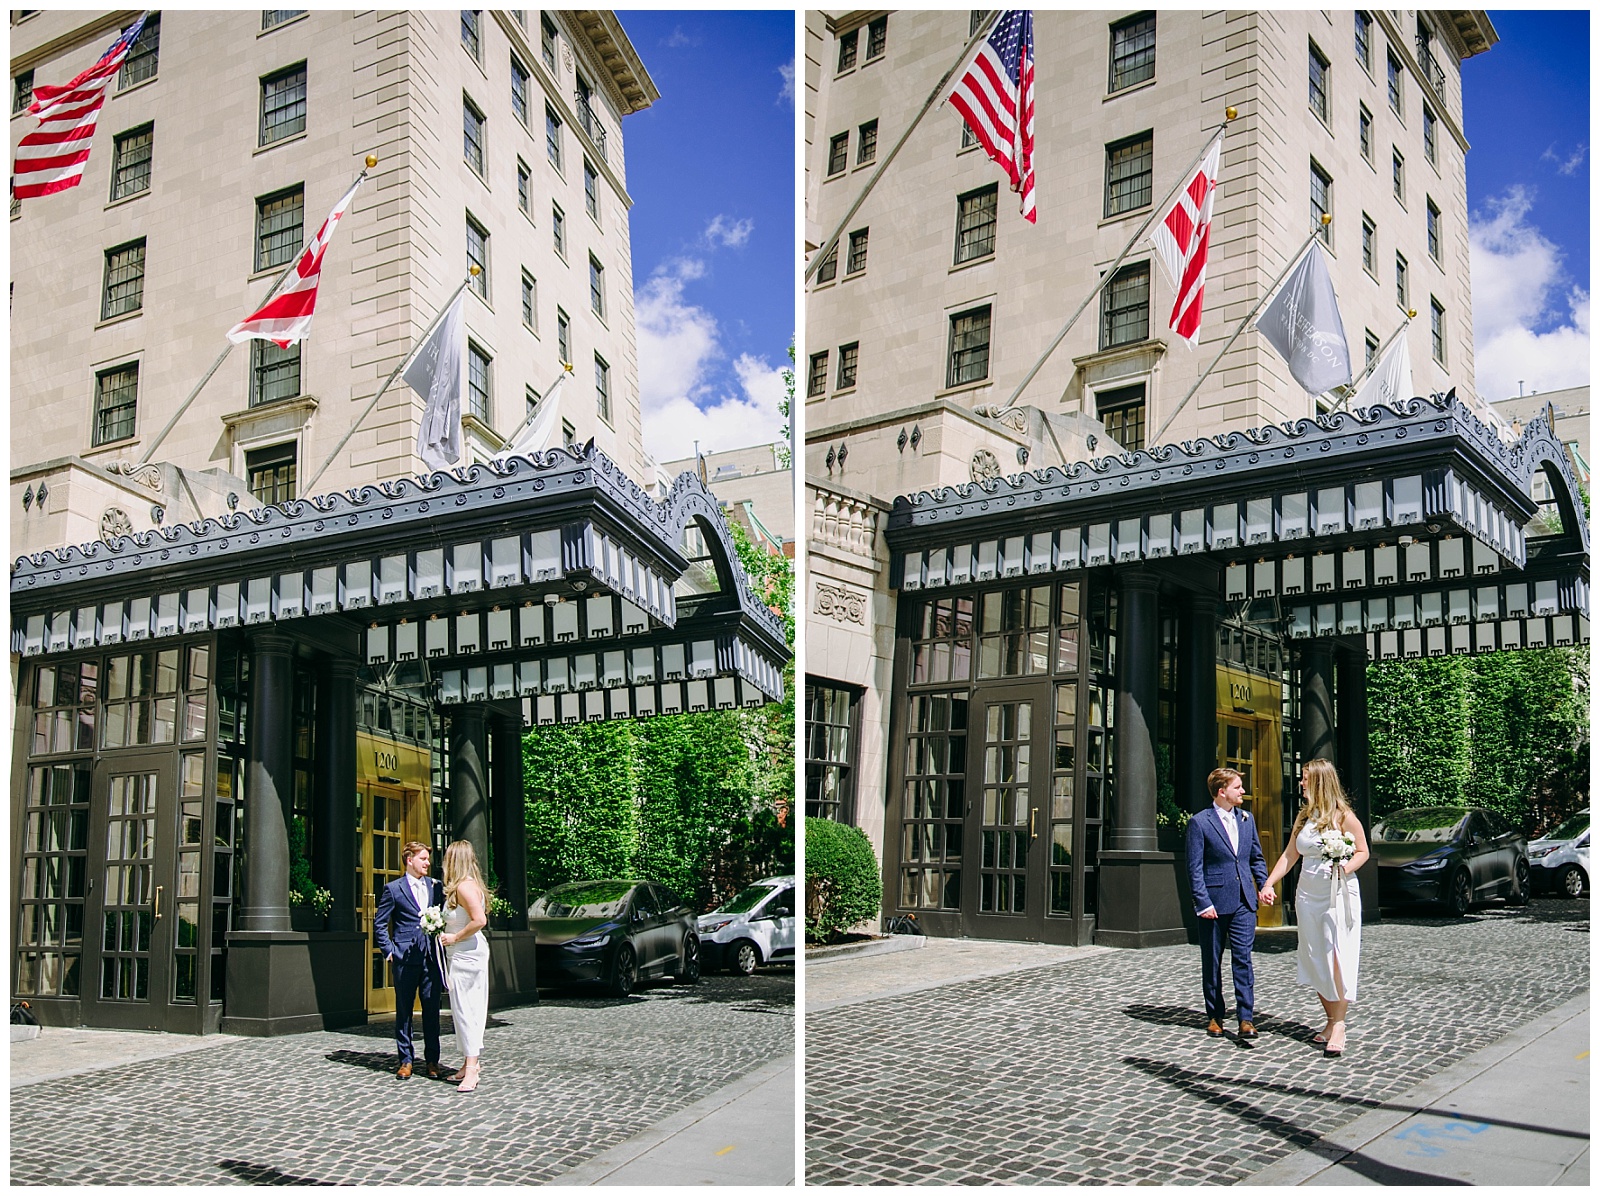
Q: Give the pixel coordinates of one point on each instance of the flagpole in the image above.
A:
(223, 356)
(1327, 219)
(566, 368)
(472, 272)
(1230, 113)
(1377, 359)
(832, 242)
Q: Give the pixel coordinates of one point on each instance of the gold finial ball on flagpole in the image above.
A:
(567, 365)
(372, 160)
(1231, 112)
(1327, 218)
(1411, 313)
(474, 271)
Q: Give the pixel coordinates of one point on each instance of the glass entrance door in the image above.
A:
(1243, 744)
(1006, 896)
(386, 819)
(131, 903)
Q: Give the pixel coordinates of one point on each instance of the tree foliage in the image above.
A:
(843, 886)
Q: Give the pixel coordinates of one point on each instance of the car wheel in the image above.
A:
(689, 961)
(1571, 881)
(745, 957)
(1521, 885)
(1458, 893)
(624, 972)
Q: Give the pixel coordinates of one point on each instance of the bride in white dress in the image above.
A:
(466, 914)
(1327, 900)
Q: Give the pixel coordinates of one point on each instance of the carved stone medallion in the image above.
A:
(114, 523)
(841, 604)
(985, 466)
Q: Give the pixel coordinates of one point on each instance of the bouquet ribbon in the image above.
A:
(1341, 893)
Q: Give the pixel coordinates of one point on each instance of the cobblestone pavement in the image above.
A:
(562, 1081)
(1097, 1071)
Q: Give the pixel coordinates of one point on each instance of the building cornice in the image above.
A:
(630, 81)
(91, 30)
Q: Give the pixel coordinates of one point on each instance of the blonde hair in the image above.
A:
(1325, 803)
(461, 863)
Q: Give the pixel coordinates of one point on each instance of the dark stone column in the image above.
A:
(1354, 768)
(1138, 656)
(269, 782)
(508, 822)
(1316, 702)
(333, 856)
(469, 779)
(1197, 700)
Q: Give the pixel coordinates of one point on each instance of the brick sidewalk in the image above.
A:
(1098, 1071)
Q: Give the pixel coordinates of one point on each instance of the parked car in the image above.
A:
(1453, 855)
(1561, 859)
(616, 933)
(753, 927)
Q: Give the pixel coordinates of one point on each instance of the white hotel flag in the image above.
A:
(435, 374)
(1390, 381)
(1302, 323)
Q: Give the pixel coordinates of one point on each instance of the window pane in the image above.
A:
(975, 224)
(283, 105)
(1133, 52)
(116, 404)
(1128, 174)
(1126, 315)
(131, 173)
(280, 228)
(274, 372)
(124, 280)
(141, 62)
(478, 382)
(472, 136)
(969, 347)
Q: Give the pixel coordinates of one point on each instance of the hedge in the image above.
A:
(842, 881)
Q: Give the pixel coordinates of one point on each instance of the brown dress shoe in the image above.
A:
(404, 1070)
(1214, 1029)
(1248, 1030)
(435, 1071)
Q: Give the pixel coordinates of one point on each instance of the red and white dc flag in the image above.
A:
(286, 317)
(995, 97)
(1182, 241)
(53, 156)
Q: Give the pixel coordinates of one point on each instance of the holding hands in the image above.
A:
(1267, 895)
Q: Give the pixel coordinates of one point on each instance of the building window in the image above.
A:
(569, 435)
(478, 255)
(1125, 307)
(857, 260)
(558, 230)
(280, 227)
(21, 92)
(591, 190)
(829, 269)
(124, 289)
(838, 153)
(1364, 40)
(1133, 51)
(1372, 348)
(471, 33)
(817, 377)
(602, 388)
(1366, 133)
(597, 287)
(552, 136)
(530, 399)
(867, 143)
(144, 55)
(130, 170)
(849, 355)
(50, 939)
(1430, 136)
(1319, 84)
(975, 21)
(1128, 174)
(547, 43)
(968, 139)
(1402, 284)
(877, 38)
(271, 18)
(847, 49)
(563, 336)
(472, 135)
(1400, 177)
(519, 90)
(283, 104)
(116, 403)
(524, 191)
(1369, 245)
(830, 751)
(530, 294)
(478, 383)
(1433, 231)
(1122, 412)
(271, 472)
(975, 223)
(274, 372)
(1396, 94)
(1436, 312)
(969, 347)
(1321, 202)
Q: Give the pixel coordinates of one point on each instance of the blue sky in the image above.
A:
(711, 171)
(1528, 178)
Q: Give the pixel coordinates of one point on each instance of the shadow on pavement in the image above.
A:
(1182, 1015)
(256, 1173)
(759, 994)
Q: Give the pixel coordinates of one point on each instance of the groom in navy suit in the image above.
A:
(1226, 871)
(416, 960)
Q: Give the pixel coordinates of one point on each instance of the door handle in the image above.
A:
(159, 890)
(1033, 823)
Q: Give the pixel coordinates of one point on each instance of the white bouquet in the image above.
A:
(1337, 846)
(432, 920)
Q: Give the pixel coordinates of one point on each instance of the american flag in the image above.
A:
(53, 156)
(286, 317)
(995, 97)
(1182, 241)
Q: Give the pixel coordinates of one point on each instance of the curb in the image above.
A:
(21, 1033)
(884, 946)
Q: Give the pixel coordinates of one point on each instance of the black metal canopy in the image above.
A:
(1407, 524)
(554, 578)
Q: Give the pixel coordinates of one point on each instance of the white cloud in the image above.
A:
(729, 234)
(678, 39)
(1569, 164)
(787, 94)
(679, 349)
(1518, 288)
